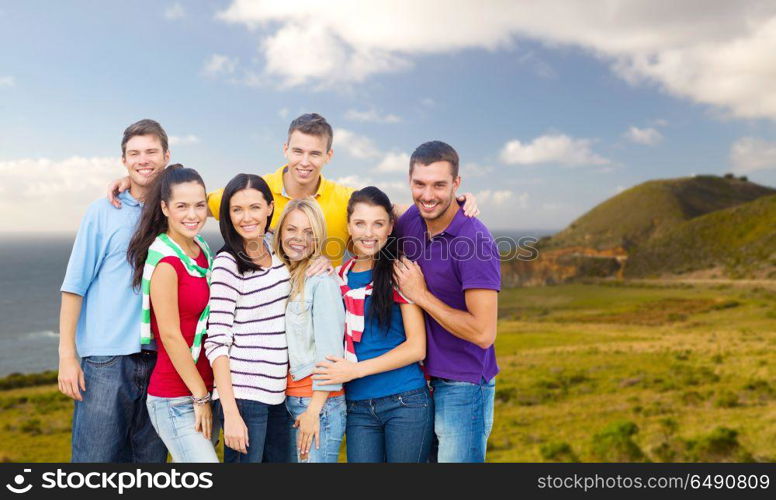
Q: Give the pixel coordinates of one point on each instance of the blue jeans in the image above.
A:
(111, 424)
(333, 417)
(267, 432)
(463, 418)
(173, 419)
(395, 428)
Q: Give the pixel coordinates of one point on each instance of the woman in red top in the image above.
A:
(172, 263)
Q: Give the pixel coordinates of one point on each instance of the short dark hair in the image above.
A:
(433, 151)
(144, 127)
(233, 242)
(312, 124)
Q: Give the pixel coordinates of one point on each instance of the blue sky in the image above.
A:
(552, 106)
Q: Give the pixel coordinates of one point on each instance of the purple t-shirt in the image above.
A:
(461, 257)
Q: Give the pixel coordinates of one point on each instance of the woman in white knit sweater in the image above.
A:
(246, 342)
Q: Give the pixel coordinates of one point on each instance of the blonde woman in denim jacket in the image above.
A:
(315, 325)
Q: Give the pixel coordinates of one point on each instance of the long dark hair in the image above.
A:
(153, 222)
(382, 273)
(233, 242)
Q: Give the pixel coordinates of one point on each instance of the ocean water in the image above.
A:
(31, 272)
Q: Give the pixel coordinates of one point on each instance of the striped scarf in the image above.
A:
(163, 246)
(355, 300)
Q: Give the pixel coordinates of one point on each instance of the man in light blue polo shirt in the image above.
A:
(100, 320)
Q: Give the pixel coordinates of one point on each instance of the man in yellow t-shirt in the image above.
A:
(307, 150)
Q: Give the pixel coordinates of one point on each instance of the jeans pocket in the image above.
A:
(290, 408)
(333, 404)
(181, 407)
(414, 400)
(181, 414)
(99, 361)
(180, 401)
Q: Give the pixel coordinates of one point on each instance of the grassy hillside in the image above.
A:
(615, 372)
(653, 208)
(636, 373)
(740, 240)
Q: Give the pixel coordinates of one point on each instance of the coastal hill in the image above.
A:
(652, 208)
(739, 241)
(660, 227)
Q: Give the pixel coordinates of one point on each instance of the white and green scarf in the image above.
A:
(163, 246)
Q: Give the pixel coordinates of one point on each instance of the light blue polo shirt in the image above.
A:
(98, 270)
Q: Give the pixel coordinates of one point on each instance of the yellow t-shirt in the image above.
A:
(332, 197)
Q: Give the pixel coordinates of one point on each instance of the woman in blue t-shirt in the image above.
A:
(389, 409)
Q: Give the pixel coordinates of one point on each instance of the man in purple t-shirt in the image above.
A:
(451, 270)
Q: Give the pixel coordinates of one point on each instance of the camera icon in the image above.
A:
(19, 480)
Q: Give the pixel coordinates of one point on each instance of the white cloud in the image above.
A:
(648, 136)
(714, 52)
(362, 147)
(502, 208)
(494, 198)
(353, 181)
(300, 52)
(355, 145)
(619, 189)
(370, 115)
(174, 11)
(525, 181)
(60, 189)
(750, 154)
(219, 65)
(283, 113)
(397, 191)
(183, 140)
(394, 162)
(551, 148)
(538, 66)
(32, 177)
(474, 170)
(358, 182)
(7, 81)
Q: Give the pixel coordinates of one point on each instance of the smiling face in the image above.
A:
(248, 211)
(306, 155)
(297, 236)
(186, 209)
(369, 227)
(433, 188)
(144, 157)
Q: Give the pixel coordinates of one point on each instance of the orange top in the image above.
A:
(304, 388)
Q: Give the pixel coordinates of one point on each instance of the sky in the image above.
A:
(553, 106)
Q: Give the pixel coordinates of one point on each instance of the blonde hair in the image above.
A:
(297, 269)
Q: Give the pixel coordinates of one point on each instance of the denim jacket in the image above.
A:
(315, 328)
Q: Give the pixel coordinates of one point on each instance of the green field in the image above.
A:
(606, 372)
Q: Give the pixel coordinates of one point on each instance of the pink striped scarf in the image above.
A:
(354, 299)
